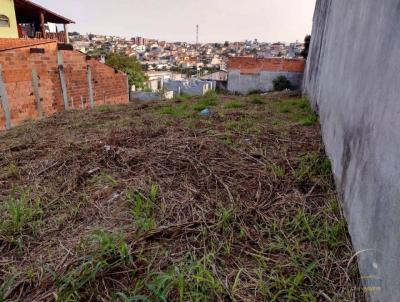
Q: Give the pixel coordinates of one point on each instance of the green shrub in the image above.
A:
(281, 83)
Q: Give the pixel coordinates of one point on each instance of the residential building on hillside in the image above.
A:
(156, 79)
(219, 77)
(247, 74)
(25, 19)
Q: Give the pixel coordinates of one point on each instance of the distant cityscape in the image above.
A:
(182, 57)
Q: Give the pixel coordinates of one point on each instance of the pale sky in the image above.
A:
(175, 20)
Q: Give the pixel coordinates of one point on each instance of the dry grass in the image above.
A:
(151, 202)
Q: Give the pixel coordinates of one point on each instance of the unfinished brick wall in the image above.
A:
(17, 66)
(108, 86)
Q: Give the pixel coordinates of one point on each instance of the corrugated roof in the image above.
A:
(248, 65)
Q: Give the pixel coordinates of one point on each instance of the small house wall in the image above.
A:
(263, 81)
(7, 9)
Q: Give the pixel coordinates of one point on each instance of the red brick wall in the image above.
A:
(17, 66)
(248, 65)
(18, 43)
(109, 87)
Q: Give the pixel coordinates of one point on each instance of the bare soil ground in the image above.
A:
(153, 202)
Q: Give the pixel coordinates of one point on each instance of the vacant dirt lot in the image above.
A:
(154, 202)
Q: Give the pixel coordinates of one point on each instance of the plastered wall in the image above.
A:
(352, 79)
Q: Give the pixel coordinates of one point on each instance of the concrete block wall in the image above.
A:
(108, 86)
(193, 87)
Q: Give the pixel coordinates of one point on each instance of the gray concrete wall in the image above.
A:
(244, 83)
(144, 96)
(193, 87)
(353, 80)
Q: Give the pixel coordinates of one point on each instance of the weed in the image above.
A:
(23, 215)
(183, 97)
(209, 99)
(228, 140)
(10, 171)
(299, 110)
(224, 218)
(233, 105)
(245, 125)
(318, 229)
(276, 285)
(72, 284)
(153, 192)
(110, 251)
(277, 123)
(257, 100)
(5, 286)
(312, 165)
(308, 120)
(278, 171)
(205, 103)
(181, 110)
(210, 94)
(192, 280)
(203, 285)
(143, 208)
(110, 245)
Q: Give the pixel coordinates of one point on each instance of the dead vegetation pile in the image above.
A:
(155, 203)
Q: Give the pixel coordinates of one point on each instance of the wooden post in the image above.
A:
(66, 33)
(36, 93)
(42, 24)
(4, 100)
(90, 86)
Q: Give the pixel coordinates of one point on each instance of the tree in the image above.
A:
(130, 66)
(307, 41)
(281, 83)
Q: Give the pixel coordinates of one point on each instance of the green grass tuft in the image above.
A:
(143, 211)
(311, 165)
(23, 216)
(257, 100)
(233, 105)
(181, 110)
(299, 110)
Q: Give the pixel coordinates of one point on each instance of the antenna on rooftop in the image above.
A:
(197, 35)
